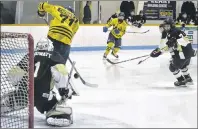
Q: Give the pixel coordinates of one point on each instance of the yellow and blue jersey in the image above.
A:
(121, 26)
(64, 24)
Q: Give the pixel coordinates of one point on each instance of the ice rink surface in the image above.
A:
(130, 95)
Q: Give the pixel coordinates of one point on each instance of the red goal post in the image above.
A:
(17, 100)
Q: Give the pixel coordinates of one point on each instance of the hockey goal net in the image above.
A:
(17, 81)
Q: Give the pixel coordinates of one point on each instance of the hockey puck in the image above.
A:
(76, 75)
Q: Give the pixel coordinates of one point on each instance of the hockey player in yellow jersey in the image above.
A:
(115, 36)
(62, 29)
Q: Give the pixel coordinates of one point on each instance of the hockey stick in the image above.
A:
(126, 60)
(136, 32)
(143, 60)
(69, 77)
(82, 80)
(149, 57)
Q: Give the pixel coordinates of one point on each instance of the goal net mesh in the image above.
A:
(17, 67)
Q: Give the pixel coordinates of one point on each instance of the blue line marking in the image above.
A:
(91, 48)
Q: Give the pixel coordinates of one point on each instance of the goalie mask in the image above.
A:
(43, 47)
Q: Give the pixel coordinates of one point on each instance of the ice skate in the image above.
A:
(104, 56)
(188, 80)
(115, 55)
(180, 81)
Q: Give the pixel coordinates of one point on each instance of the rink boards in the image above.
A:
(92, 38)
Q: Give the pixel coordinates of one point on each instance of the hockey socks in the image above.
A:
(108, 49)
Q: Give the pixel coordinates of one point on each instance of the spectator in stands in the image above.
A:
(188, 7)
(127, 7)
(87, 13)
(195, 19)
(183, 18)
(6, 17)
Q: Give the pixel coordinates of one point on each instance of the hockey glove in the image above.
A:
(41, 13)
(139, 25)
(116, 31)
(105, 29)
(155, 53)
(63, 92)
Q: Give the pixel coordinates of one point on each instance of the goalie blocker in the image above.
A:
(46, 76)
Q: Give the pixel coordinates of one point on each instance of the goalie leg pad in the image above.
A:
(61, 116)
(59, 75)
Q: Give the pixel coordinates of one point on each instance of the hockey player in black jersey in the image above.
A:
(180, 49)
(48, 84)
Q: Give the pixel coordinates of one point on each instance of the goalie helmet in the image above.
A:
(43, 47)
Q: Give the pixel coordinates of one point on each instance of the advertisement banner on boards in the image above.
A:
(159, 10)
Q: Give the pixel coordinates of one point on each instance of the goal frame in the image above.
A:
(30, 40)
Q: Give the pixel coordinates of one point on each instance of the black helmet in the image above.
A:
(169, 21)
(168, 24)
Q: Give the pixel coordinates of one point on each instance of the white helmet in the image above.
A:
(44, 45)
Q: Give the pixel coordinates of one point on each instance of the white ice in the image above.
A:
(130, 95)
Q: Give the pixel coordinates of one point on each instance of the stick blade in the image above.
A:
(87, 83)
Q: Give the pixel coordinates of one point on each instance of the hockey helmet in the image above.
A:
(168, 24)
(43, 47)
(121, 16)
(69, 8)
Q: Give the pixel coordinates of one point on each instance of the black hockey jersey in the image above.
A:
(42, 79)
(178, 51)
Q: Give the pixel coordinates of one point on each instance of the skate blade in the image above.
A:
(182, 86)
(189, 83)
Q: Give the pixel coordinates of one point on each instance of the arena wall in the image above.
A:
(92, 38)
